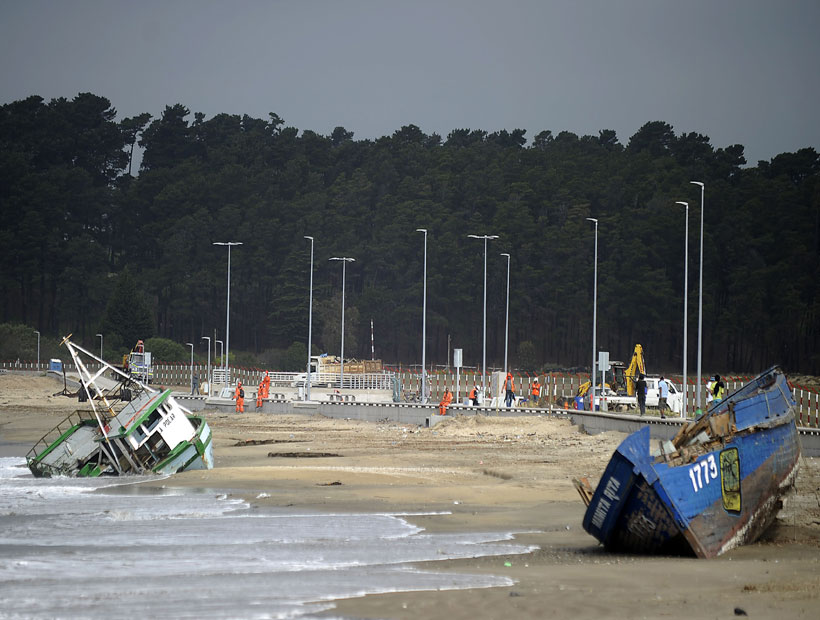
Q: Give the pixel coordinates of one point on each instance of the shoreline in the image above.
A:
(480, 474)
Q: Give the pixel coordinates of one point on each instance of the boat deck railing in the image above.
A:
(39, 449)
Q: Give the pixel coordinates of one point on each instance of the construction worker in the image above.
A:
(473, 396)
(260, 394)
(536, 391)
(445, 402)
(239, 395)
(719, 389)
(266, 381)
(509, 386)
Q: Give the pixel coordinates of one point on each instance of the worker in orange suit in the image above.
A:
(445, 402)
(260, 394)
(266, 381)
(536, 391)
(239, 395)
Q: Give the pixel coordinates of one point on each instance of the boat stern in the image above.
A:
(626, 513)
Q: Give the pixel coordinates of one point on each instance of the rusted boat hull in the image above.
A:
(718, 486)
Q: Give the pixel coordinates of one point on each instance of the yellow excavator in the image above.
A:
(621, 378)
(636, 366)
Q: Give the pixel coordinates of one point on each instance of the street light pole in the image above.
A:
(344, 260)
(594, 316)
(208, 376)
(685, 306)
(38, 350)
(424, 324)
(484, 327)
(191, 344)
(228, 305)
(310, 320)
(101, 345)
(507, 328)
(700, 295)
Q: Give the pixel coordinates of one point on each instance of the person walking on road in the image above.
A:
(663, 394)
(509, 386)
(239, 395)
(640, 392)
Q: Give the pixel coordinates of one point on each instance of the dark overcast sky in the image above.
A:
(739, 71)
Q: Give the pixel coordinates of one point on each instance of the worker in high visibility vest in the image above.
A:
(719, 389)
(509, 386)
(239, 395)
(536, 390)
(473, 396)
(260, 394)
(445, 402)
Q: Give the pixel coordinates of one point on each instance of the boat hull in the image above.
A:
(192, 455)
(130, 429)
(704, 505)
(77, 452)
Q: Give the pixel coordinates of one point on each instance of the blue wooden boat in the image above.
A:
(717, 485)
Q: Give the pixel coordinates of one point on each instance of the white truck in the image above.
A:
(138, 363)
(630, 403)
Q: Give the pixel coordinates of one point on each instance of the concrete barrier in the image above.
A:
(427, 416)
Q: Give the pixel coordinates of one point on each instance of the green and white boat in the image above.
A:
(133, 429)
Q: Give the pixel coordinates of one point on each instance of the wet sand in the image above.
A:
(485, 473)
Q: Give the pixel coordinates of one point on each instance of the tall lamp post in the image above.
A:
(208, 376)
(228, 305)
(191, 344)
(594, 315)
(344, 260)
(507, 328)
(424, 324)
(700, 296)
(484, 327)
(100, 336)
(38, 350)
(310, 320)
(685, 305)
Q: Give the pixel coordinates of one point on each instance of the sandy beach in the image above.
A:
(485, 473)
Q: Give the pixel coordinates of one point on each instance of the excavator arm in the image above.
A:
(636, 366)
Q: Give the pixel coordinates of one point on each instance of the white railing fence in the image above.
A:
(556, 388)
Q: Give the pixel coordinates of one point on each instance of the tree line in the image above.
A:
(91, 246)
